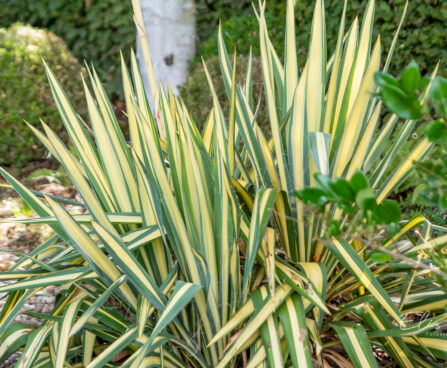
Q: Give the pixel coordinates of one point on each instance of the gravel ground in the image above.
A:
(41, 302)
(25, 238)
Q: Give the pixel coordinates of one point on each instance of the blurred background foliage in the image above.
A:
(94, 30)
(25, 93)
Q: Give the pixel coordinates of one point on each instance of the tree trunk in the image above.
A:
(171, 33)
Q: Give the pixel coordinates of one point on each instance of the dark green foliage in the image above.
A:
(436, 131)
(351, 196)
(431, 176)
(439, 96)
(423, 36)
(242, 32)
(94, 30)
(399, 95)
(433, 172)
(209, 12)
(25, 93)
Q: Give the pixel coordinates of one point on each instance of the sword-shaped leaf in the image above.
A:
(293, 320)
(357, 345)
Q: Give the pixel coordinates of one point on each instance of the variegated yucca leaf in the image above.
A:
(194, 251)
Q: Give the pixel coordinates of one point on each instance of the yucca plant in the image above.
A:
(194, 250)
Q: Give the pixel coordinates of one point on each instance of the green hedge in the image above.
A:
(94, 30)
(25, 93)
(423, 37)
(209, 12)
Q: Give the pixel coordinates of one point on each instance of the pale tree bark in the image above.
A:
(171, 33)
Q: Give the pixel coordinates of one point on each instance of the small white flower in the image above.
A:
(31, 48)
